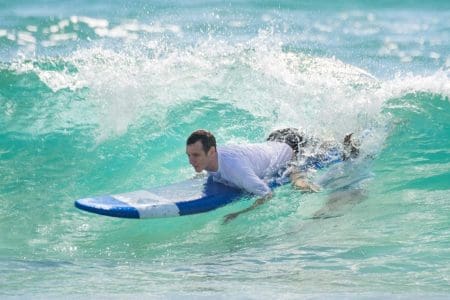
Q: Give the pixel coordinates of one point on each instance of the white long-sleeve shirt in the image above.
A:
(246, 166)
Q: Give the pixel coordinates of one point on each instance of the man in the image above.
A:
(246, 166)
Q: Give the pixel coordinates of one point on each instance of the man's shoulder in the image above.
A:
(250, 146)
(229, 152)
(240, 150)
(233, 158)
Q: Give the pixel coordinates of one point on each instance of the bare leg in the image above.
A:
(351, 147)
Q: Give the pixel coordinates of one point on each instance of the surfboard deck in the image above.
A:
(184, 198)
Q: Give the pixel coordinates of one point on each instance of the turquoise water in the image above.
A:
(98, 98)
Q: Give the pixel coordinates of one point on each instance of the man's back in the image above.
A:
(245, 165)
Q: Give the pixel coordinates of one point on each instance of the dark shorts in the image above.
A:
(291, 136)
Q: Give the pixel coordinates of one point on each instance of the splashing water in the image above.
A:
(98, 104)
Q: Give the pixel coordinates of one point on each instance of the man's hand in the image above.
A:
(305, 186)
(257, 203)
(230, 217)
(300, 181)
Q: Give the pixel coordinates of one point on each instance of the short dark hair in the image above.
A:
(205, 137)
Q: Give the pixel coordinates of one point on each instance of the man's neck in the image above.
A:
(214, 165)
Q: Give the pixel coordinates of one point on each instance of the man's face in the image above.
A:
(197, 157)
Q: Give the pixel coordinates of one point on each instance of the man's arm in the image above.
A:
(247, 179)
(257, 203)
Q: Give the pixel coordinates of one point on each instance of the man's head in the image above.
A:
(201, 150)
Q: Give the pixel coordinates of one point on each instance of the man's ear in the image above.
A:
(211, 150)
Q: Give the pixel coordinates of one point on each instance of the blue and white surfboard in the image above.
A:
(184, 198)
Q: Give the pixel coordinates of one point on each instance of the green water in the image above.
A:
(89, 107)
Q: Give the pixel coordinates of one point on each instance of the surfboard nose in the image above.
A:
(107, 206)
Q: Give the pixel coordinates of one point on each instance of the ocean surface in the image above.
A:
(98, 97)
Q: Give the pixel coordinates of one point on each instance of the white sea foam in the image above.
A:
(26, 37)
(258, 77)
(320, 94)
(91, 22)
(63, 37)
(57, 80)
(437, 83)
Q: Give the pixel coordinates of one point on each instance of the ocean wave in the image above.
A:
(124, 87)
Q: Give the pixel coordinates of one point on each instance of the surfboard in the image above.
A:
(188, 197)
(184, 198)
